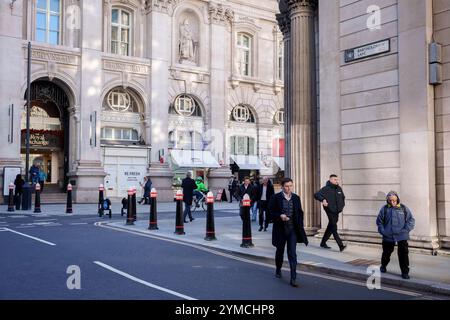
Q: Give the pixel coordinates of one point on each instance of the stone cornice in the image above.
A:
(295, 5)
(284, 22)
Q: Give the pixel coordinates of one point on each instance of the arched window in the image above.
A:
(279, 117)
(48, 21)
(120, 100)
(186, 105)
(120, 31)
(242, 113)
(244, 47)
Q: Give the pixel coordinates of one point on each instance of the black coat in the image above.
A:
(250, 191)
(147, 188)
(188, 185)
(278, 231)
(19, 185)
(334, 196)
(269, 193)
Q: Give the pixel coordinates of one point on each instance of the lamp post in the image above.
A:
(26, 196)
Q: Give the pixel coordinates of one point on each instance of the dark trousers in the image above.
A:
(263, 214)
(291, 252)
(332, 229)
(187, 211)
(402, 251)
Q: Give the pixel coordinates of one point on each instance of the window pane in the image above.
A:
(42, 4)
(40, 35)
(124, 49)
(135, 135)
(54, 5)
(114, 33)
(41, 20)
(124, 35)
(251, 146)
(117, 134)
(115, 16)
(54, 23)
(126, 134)
(108, 133)
(245, 41)
(125, 18)
(53, 37)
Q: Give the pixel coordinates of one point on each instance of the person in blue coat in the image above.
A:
(395, 222)
(287, 215)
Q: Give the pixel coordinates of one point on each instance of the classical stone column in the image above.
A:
(302, 118)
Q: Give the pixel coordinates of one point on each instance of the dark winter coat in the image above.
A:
(250, 190)
(395, 223)
(334, 196)
(147, 188)
(276, 209)
(188, 185)
(269, 192)
(19, 182)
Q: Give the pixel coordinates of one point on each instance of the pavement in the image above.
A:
(428, 273)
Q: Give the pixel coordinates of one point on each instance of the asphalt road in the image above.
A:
(36, 252)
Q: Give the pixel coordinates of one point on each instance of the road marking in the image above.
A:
(44, 220)
(226, 255)
(148, 284)
(3, 229)
(77, 223)
(31, 237)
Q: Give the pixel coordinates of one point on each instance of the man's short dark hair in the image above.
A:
(333, 176)
(246, 178)
(285, 180)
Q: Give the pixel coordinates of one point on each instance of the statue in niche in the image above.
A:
(187, 44)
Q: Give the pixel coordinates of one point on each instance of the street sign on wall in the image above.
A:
(367, 50)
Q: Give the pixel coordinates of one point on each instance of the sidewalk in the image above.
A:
(428, 273)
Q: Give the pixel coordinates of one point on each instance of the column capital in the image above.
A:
(220, 14)
(301, 5)
(284, 22)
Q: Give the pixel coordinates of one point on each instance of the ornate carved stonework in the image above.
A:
(166, 6)
(219, 14)
(301, 4)
(125, 67)
(284, 22)
(43, 55)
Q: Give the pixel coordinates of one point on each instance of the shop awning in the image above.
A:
(247, 162)
(193, 159)
(279, 161)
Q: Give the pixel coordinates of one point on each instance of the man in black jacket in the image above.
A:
(188, 185)
(287, 214)
(333, 201)
(263, 194)
(246, 188)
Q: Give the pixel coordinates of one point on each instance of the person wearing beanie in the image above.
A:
(395, 222)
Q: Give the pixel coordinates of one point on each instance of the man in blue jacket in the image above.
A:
(395, 222)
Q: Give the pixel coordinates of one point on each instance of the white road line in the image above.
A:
(226, 255)
(3, 229)
(44, 220)
(77, 223)
(148, 284)
(31, 237)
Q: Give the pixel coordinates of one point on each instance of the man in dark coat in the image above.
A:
(188, 185)
(333, 201)
(287, 214)
(246, 188)
(263, 194)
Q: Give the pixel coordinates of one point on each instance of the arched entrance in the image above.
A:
(49, 133)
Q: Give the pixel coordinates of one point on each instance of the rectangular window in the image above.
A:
(48, 21)
(120, 32)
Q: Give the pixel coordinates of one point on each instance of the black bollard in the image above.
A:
(210, 230)
(101, 189)
(179, 222)
(133, 199)
(246, 224)
(37, 198)
(130, 220)
(69, 199)
(11, 197)
(153, 223)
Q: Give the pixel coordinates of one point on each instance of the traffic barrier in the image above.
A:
(130, 220)
(11, 197)
(210, 230)
(179, 222)
(246, 223)
(69, 199)
(37, 198)
(101, 195)
(153, 223)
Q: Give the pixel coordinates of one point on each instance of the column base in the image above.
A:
(86, 180)
(162, 176)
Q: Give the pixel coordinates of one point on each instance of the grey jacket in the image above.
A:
(395, 223)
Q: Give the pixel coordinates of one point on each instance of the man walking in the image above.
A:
(287, 214)
(255, 184)
(188, 185)
(395, 222)
(230, 188)
(264, 192)
(246, 188)
(333, 201)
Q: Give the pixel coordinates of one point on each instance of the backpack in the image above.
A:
(386, 208)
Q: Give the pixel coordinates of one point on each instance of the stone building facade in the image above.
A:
(382, 117)
(125, 88)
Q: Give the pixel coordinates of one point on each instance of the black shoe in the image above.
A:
(383, 269)
(260, 228)
(278, 273)
(405, 276)
(342, 248)
(192, 219)
(293, 283)
(186, 221)
(324, 245)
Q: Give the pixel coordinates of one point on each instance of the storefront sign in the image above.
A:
(367, 50)
(46, 139)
